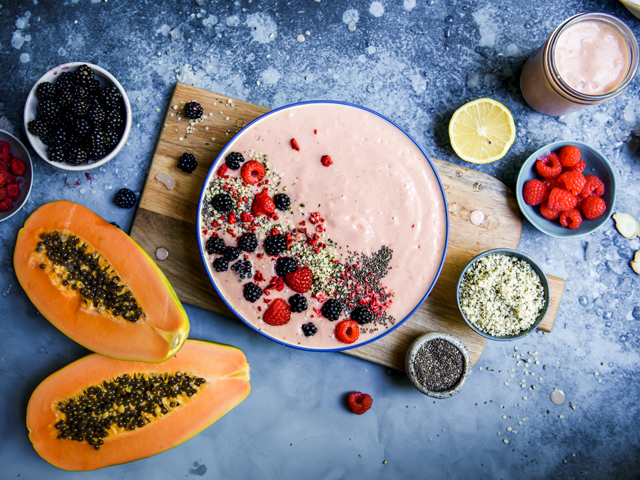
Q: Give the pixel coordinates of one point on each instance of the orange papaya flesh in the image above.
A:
(223, 375)
(149, 325)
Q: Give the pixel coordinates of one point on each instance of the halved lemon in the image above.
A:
(482, 131)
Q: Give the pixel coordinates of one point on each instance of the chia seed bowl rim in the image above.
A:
(536, 268)
(413, 351)
(29, 109)
(9, 138)
(212, 172)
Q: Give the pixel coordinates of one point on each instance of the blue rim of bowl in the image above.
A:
(26, 198)
(536, 268)
(212, 172)
(554, 147)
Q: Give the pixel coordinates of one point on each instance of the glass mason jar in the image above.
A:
(546, 91)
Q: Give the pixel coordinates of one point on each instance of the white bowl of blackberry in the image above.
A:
(77, 116)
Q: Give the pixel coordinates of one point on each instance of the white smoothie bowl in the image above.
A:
(30, 110)
(203, 227)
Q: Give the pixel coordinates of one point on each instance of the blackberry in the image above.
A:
(58, 136)
(77, 156)
(231, 253)
(48, 110)
(251, 292)
(38, 127)
(282, 201)
(84, 75)
(96, 153)
(79, 107)
(248, 242)
(114, 121)
(57, 153)
(361, 315)
(46, 90)
(115, 225)
(187, 163)
(222, 202)
(233, 160)
(298, 303)
(192, 110)
(332, 309)
(96, 114)
(111, 97)
(220, 264)
(111, 140)
(65, 82)
(243, 268)
(215, 245)
(81, 127)
(125, 198)
(309, 329)
(286, 265)
(274, 244)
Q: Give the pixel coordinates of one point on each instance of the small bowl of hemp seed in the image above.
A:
(437, 364)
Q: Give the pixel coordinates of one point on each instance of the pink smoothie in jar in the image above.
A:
(372, 226)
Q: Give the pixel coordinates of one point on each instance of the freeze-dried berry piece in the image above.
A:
(17, 166)
(534, 192)
(13, 191)
(294, 145)
(326, 160)
(573, 181)
(298, 303)
(549, 166)
(278, 313)
(593, 186)
(560, 199)
(593, 207)
(570, 218)
(569, 156)
(6, 204)
(215, 245)
(360, 402)
(547, 213)
(347, 331)
(251, 292)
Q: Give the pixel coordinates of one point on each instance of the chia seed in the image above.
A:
(438, 365)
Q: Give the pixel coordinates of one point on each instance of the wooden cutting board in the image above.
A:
(167, 218)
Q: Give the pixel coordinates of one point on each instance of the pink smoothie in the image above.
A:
(380, 191)
(591, 57)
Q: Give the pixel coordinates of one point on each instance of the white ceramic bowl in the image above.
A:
(30, 110)
(19, 150)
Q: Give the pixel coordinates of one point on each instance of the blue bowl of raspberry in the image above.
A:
(566, 189)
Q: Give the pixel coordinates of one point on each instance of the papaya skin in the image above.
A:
(153, 339)
(224, 368)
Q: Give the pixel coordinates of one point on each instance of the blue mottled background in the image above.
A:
(416, 62)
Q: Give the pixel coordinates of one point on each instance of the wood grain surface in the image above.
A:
(167, 218)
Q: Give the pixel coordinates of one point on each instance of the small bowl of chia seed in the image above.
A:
(437, 364)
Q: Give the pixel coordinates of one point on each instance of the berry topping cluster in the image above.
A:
(564, 193)
(10, 169)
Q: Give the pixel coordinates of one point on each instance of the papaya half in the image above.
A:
(99, 411)
(97, 286)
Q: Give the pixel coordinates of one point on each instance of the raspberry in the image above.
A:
(579, 203)
(570, 218)
(347, 331)
(299, 281)
(13, 190)
(262, 203)
(535, 192)
(3, 193)
(547, 213)
(17, 166)
(593, 207)
(252, 172)
(326, 160)
(549, 171)
(593, 186)
(569, 156)
(4, 178)
(573, 181)
(560, 199)
(579, 167)
(294, 145)
(6, 205)
(360, 402)
(278, 313)
(4, 150)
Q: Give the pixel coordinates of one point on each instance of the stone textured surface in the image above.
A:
(415, 61)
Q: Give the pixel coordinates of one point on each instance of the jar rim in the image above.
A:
(551, 70)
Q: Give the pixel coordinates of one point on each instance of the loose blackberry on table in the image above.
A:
(125, 198)
(222, 202)
(285, 265)
(231, 253)
(309, 329)
(193, 110)
(332, 308)
(243, 268)
(251, 292)
(282, 201)
(215, 245)
(187, 163)
(361, 315)
(233, 160)
(275, 244)
(248, 242)
(220, 264)
(298, 303)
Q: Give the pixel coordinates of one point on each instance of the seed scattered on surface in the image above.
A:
(438, 365)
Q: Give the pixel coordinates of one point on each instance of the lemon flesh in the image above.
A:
(482, 131)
